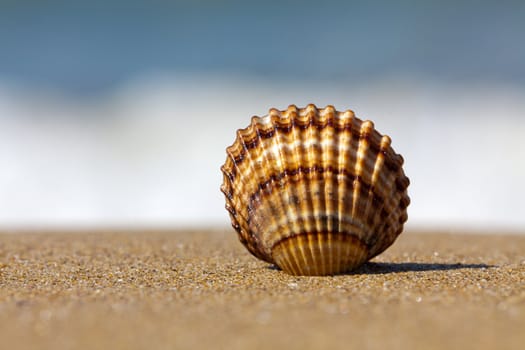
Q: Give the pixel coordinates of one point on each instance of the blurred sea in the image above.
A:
(118, 113)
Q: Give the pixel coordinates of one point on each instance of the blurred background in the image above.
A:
(117, 113)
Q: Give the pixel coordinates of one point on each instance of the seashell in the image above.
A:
(314, 191)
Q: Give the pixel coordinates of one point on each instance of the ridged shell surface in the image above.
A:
(314, 191)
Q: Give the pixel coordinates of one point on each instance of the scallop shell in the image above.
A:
(314, 191)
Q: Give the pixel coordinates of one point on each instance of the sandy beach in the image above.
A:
(201, 289)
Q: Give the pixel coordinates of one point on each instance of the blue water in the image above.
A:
(91, 47)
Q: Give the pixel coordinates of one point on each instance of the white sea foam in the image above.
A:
(150, 153)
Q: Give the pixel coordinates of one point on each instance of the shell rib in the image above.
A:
(314, 191)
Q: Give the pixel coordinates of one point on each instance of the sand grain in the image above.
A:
(166, 290)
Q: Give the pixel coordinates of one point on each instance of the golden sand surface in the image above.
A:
(202, 289)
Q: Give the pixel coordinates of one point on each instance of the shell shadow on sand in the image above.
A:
(381, 268)
(378, 268)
